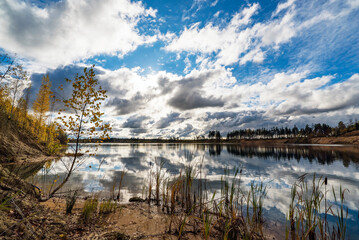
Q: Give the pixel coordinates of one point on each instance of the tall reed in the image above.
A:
(308, 205)
(123, 173)
(158, 177)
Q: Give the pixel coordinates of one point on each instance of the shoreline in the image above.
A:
(339, 140)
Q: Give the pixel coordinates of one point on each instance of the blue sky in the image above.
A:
(181, 68)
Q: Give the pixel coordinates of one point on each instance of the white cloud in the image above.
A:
(166, 104)
(255, 55)
(277, 31)
(353, 3)
(210, 38)
(71, 30)
(283, 6)
(171, 105)
(285, 99)
(240, 41)
(133, 96)
(236, 39)
(294, 95)
(214, 3)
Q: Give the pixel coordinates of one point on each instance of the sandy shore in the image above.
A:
(137, 220)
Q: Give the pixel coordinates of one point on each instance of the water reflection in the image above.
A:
(321, 154)
(278, 167)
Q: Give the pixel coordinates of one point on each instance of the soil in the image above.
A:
(132, 221)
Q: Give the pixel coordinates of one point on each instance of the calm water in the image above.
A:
(278, 167)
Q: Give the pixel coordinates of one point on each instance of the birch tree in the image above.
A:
(80, 116)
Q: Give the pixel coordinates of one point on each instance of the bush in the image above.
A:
(70, 201)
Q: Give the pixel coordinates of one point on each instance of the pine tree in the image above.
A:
(42, 104)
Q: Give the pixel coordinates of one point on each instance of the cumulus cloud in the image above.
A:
(169, 119)
(185, 101)
(134, 122)
(148, 104)
(312, 96)
(126, 106)
(190, 95)
(57, 77)
(186, 131)
(227, 121)
(66, 31)
(220, 115)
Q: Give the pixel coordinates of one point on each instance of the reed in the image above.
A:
(174, 190)
(255, 199)
(341, 213)
(207, 220)
(149, 194)
(158, 175)
(123, 173)
(306, 210)
(237, 213)
(189, 176)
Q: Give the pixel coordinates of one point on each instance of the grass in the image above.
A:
(93, 207)
(107, 207)
(4, 203)
(90, 209)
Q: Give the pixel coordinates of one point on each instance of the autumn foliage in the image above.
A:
(15, 112)
(81, 113)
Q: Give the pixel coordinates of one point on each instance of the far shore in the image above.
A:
(342, 140)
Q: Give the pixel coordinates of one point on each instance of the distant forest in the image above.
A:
(316, 130)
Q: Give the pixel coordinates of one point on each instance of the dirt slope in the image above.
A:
(17, 145)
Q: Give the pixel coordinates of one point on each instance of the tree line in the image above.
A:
(316, 130)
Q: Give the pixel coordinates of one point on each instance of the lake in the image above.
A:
(278, 167)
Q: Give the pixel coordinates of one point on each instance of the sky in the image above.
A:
(182, 68)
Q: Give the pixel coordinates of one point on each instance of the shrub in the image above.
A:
(70, 201)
